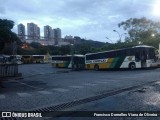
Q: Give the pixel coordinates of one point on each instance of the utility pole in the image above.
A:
(14, 52)
(72, 55)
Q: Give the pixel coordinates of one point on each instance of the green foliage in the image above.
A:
(5, 30)
(142, 31)
(64, 50)
(35, 45)
(82, 48)
(1, 44)
(7, 37)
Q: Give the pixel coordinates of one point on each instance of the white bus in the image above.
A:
(18, 59)
(134, 57)
(76, 62)
(10, 59)
(38, 58)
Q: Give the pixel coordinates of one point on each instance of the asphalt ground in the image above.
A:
(43, 86)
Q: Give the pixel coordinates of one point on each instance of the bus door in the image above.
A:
(143, 57)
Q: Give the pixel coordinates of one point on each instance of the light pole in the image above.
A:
(109, 39)
(120, 35)
(14, 52)
(72, 55)
(153, 35)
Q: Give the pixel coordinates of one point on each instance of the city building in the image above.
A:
(68, 37)
(52, 33)
(21, 31)
(51, 36)
(47, 32)
(33, 31)
(38, 32)
(57, 35)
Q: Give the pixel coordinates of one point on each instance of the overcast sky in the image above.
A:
(90, 19)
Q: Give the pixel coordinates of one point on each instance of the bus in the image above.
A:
(26, 59)
(5, 59)
(76, 62)
(35, 58)
(16, 59)
(38, 58)
(135, 57)
(10, 59)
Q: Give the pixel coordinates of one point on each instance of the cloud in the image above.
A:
(92, 19)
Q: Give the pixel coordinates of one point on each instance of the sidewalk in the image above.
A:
(145, 98)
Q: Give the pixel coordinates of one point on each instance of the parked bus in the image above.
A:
(38, 58)
(5, 59)
(135, 57)
(66, 61)
(10, 59)
(27, 59)
(16, 59)
(35, 58)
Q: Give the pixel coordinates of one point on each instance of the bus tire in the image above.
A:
(132, 66)
(96, 67)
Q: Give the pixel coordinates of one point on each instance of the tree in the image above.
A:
(35, 45)
(1, 44)
(7, 37)
(140, 30)
(65, 49)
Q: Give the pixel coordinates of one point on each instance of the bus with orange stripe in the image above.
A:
(135, 57)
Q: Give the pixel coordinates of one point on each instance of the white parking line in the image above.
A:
(77, 87)
(2, 96)
(24, 94)
(45, 92)
(60, 89)
(90, 84)
(26, 84)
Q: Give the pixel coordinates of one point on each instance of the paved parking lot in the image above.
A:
(44, 86)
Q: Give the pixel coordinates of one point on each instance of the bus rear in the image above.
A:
(61, 61)
(26, 59)
(75, 62)
(38, 58)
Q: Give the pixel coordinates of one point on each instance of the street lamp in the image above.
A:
(109, 39)
(72, 55)
(153, 35)
(120, 35)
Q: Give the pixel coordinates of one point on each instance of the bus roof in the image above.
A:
(38, 55)
(143, 46)
(139, 46)
(75, 55)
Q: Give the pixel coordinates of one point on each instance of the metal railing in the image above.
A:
(8, 70)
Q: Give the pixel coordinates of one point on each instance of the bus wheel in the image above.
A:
(96, 67)
(132, 66)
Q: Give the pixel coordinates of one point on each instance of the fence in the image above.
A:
(8, 70)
